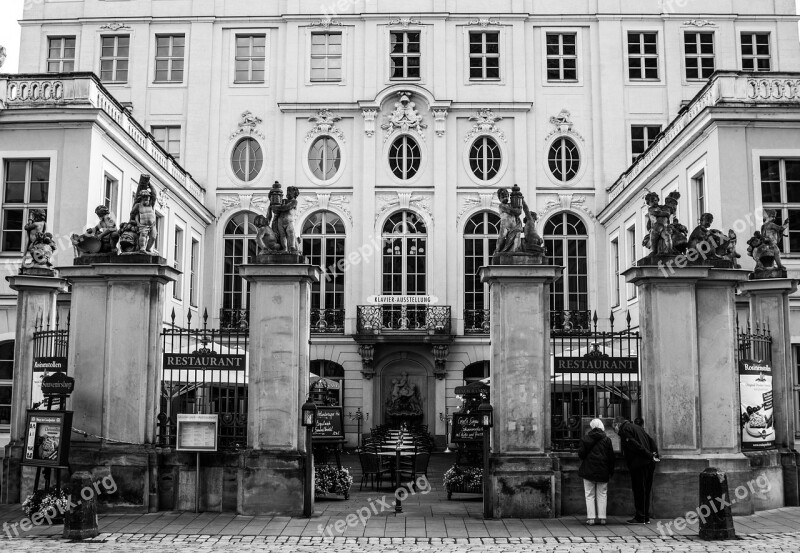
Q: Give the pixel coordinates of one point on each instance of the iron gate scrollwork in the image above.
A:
(594, 374)
(204, 372)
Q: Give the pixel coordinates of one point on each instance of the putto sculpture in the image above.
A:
(40, 246)
(518, 243)
(276, 233)
(102, 238)
(763, 248)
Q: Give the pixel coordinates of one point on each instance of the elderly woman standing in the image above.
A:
(597, 467)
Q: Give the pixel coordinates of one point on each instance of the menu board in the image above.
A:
(197, 432)
(47, 438)
(757, 414)
(467, 428)
(329, 426)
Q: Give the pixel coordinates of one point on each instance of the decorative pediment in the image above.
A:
(485, 123)
(324, 123)
(249, 125)
(563, 125)
(405, 118)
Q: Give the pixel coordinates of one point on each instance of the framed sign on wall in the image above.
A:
(47, 439)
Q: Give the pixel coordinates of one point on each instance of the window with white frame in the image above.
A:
(699, 191)
(61, 54)
(632, 292)
(160, 238)
(615, 292)
(566, 240)
(780, 192)
(169, 138)
(6, 381)
(405, 55)
(114, 58)
(480, 240)
(564, 159)
(26, 188)
(324, 158)
(642, 136)
(323, 243)
(110, 194)
(756, 52)
(239, 248)
(643, 56)
(562, 57)
(170, 50)
(326, 57)
(485, 158)
(484, 56)
(247, 159)
(251, 59)
(699, 55)
(405, 157)
(194, 273)
(405, 239)
(177, 287)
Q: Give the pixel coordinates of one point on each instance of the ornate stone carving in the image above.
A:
(406, 200)
(484, 22)
(404, 118)
(405, 21)
(469, 201)
(325, 200)
(115, 26)
(763, 248)
(439, 121)
(143, 215)
(699, 23)
(517, 243)
(102, 238)
(369, 121)
(367, 353)
(41, 245)
(566, 201)
(2, 55)
(773, 89)
(666, 236)
(404, 400)
(324, 123)
(440, 354)
(248, 126)
(326, 23)
(563, 125)
(232, 201)
(485, 123)
(276, 229)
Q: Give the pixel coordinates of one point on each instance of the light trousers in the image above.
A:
(595, 491)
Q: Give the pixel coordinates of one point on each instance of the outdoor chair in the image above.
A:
(371, 468)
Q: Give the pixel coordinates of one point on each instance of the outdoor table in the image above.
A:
(398, 506)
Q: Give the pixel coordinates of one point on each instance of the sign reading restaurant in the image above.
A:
(596, 365)
(204, 360)
(403, 300)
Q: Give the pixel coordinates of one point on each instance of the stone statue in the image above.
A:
(761, 248)
(510, 239)
(40, 242)
(704, 239)
(730, 252)
(266, 239)
(532, 243)
(283, 220)
(144, 215)
(773, 234)
(404, 399)
(102, 238)
(128, 238)
(666, 235)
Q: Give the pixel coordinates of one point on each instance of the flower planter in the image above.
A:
(330, 480)
(463, 480)
(53, 503)
(464, 489)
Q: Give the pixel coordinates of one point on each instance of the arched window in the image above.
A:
(324, 158)
(239, 248)
(565, 238)
(480, 240)
(405, 244)
(6, 382)
(564, 159)
(404, 157)
(247, 159)
(329, 388)
(323, 238)
(485, 158)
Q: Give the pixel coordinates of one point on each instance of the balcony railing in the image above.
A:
(234, 319)
(476, 321)
(327, 321)
(375, 319)
(572, 321)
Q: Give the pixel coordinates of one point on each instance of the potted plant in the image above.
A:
(463, 480)
(329, 479)
(53, 502)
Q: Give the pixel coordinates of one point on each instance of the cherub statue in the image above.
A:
(128, 238)
(284, 220)
(510, 224)
(265, 238)
(40, 242)
(36, 227)
(532, 242)
(659, 237)
(703, 239)
(102, 238)
(730, 250)
(773, 234)
(144, 215)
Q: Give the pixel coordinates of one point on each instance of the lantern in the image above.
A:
(486, 411)
(309, 413)
(516, 197)
(276, 194)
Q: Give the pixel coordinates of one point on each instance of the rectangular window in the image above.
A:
(61, 54)
(326, 57)
(780, 192)
(699, 185)
(755, 52)
(169, 138)
(699, 53)
(251, 58)
(26, 187)
(193, 275)
(5, 403)
(114, 53)
(110, 191)
(643, 56)
(405, 54)
(160, 235)
(562, 57)
(177, 287)
(632, 261)
(615, 261)
(169, 58)
(484, 56)
(642, 136)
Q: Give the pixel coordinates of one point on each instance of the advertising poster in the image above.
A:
(42, 366)
(47, 439)
(755, 394)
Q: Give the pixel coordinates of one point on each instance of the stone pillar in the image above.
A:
(690, 394)
(525, 478)
(115, 355)
(769, 305)
(36, 301)
(280, 303)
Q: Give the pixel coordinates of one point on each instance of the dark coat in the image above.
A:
(639, 447)
(598, 456)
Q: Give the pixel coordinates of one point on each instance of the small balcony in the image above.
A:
(404, 319)
(327, 321)
(476, 321)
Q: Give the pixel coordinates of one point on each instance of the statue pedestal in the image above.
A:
(524, 477)
(280, 319)
(37, 291)
(115, 356)
(690, 380)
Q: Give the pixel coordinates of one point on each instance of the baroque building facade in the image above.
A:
(398, 127)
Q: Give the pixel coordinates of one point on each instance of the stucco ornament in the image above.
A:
(405, 118)
(763, 248)
(40, 242)
(248, 126)
(2, 55)
(485, 123)
(324, 123)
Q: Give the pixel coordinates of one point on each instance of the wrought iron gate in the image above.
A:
(594, 374)
(208, 386)
(755, 344)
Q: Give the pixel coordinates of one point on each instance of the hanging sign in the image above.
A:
(403, 300)
(626, 365)
(755, 393)
(57, 384)
(196, 432)
(201, 360)
(467, 428)
(47, 438)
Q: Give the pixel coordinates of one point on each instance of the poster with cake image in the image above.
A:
(755, 394)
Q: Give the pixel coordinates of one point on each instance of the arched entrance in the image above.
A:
(402, 386)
